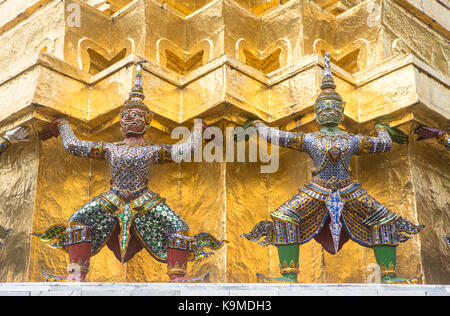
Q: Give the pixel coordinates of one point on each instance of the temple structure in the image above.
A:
(224, 61)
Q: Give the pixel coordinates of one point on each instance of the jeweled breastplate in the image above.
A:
(331, 156)
(129, 165)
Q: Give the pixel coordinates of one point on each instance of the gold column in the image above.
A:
(18, 181)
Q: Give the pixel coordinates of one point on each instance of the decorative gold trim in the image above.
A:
(284, 219)
(292, 268)
(390, 271)
(332, 183)
(176, 269)
(261, 278)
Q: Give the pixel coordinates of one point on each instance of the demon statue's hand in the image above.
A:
(397, 135)
(51, 130)
(19, 134)
(243, 132)
(427, 132)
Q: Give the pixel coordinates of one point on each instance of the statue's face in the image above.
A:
(329, 111)
(133, 121)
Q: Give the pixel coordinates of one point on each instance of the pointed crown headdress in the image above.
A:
(328, 86)
(136, 97)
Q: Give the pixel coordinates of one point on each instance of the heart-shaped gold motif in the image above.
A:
(94, 58)
(352, 58)
(187, 7)
(99, 63)
(273, 57)
(171, 56)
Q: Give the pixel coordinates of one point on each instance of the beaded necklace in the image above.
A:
(325, 143)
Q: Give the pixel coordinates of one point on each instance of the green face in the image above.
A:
(329, 112)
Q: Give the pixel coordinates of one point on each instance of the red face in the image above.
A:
(132, 122)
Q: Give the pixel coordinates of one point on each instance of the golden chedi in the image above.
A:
(225, 61)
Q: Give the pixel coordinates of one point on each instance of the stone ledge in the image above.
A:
(218, 289)
(366, 100)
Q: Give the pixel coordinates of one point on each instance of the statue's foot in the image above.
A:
(395, 280)
(56, 278)
(261, 278)
(183, 279)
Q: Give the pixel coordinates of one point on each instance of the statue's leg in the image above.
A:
(79, 258)
(182, 248)
(386, 257)
(294, 223)
(164, 235)
(289, 262)
(288, 256)
(177, 263)
(371, 224)
(177, 260)
(88, 231)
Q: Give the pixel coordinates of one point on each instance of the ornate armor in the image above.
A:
(129, 200)
(332, 208)
(332, 197)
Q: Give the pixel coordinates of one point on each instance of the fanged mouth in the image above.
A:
(136, 127)
(328, 113)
